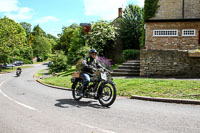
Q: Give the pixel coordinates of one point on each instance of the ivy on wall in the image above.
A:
(150, 8)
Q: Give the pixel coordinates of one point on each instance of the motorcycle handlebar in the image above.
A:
(101, 69)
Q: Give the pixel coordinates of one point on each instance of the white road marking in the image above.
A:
(2, 74)
(102, 130)
(24, 105)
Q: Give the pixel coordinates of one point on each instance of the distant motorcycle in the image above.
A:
(18, 72)
(101, 87)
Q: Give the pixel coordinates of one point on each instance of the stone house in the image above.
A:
(170, 37)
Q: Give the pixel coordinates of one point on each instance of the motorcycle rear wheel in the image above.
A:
(76, 90)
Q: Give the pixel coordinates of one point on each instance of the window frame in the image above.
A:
(165, 33)
(188, 30)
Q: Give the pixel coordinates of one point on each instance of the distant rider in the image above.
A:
(19, 69)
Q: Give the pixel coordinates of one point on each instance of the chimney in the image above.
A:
(119, 12)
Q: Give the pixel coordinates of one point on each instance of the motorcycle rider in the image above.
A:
(90, 64)
(19, 69)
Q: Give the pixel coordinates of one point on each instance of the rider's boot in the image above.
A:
(83, 91)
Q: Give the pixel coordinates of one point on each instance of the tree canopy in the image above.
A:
(101, 35)
(37, 31)
(27, 28)
(41, 47)
(65, 39)
(12, 38)
(131, 26)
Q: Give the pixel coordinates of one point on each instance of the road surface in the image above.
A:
(29, 107)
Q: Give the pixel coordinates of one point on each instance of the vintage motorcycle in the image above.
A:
(100, 87)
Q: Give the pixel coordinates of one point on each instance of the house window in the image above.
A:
(165, 33)
(188, 32)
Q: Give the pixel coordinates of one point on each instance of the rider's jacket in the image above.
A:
(89, 64)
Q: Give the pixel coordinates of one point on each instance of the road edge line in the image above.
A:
(166, 100)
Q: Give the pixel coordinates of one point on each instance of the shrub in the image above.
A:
(59, 62)
(105, 62)
(27, 61)
(131, 54)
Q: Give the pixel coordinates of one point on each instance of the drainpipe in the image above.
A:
(183, 9)
(199, 37)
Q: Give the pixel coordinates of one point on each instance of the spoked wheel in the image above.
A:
(76, 89)
(107, 95)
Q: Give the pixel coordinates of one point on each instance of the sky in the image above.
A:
(52, 15)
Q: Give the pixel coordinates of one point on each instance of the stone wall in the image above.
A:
(172, 43)
(169, 63)
(173, 9)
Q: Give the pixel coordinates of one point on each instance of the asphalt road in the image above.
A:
(29, 107)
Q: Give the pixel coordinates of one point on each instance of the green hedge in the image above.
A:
(131, 54)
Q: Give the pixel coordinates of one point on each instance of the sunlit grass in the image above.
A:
(159, 88)
(58, 81)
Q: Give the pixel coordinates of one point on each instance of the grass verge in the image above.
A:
(58, 81)
(184, 89)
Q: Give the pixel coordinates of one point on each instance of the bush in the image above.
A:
(59, 62)
(27, 61)
(131, 54)
(104, 62)
(119, 61)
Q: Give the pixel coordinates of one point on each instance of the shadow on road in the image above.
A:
(66, 103)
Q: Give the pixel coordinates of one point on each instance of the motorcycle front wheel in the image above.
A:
(76, 88)
(107, 94)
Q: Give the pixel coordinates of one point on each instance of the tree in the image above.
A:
(12, 39)
(102, 35)
(59, 62)
(27, 28)
(65, 39)
(41, 47)
(77, 48)
(150, 8)
(37, 31)
(41, 43)
(24, 55)
(52, 37)
(131, 26)
(30, 40)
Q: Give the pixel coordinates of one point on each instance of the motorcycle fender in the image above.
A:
(75, 81)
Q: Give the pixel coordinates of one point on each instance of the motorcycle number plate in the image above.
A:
(103, 76)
